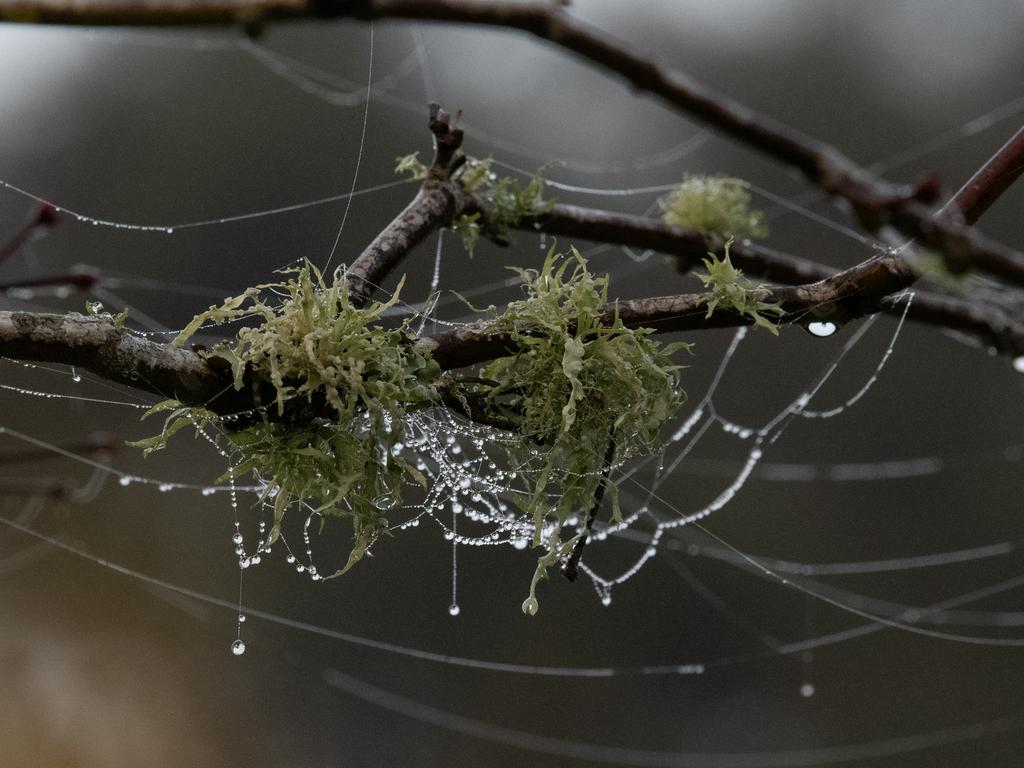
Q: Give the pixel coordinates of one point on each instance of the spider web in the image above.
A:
(731, 455)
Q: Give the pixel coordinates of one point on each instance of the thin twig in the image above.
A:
(435, 204)
(875, 200)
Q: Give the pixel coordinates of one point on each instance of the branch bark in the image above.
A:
(437, 202)
(876, 201)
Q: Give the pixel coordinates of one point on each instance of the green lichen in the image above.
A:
(344, 384)
(935, 268)
(731, 291)
(716, 206)
(411, 165)
(322, 355)
(581, 378)
(505, 202)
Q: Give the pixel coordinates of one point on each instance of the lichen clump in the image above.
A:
(731, 291)
(504, 201)
(716, 206)
(343, 386)
(581, 388)
(581, 379)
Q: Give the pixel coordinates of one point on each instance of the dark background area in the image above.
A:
(97, 668)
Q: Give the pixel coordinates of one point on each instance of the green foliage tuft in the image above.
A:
(319, 350)
(505, 201)
(344, 385)
(411, 165)
(580, 380)
(716, 206)
(730, 290)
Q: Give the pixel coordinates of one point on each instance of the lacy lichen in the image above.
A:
(731, 291)
(504, 201)
(581, 379)
(716, 206)
(343, 386)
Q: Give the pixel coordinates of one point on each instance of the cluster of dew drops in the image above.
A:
(469, 478)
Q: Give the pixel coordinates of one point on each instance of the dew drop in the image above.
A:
(125, 480)
(807, 690)
(164, 487)
(241, 618)
(454, 609)
(290, 559)
(821, 329)
(531, 606)
(237, 538)
(1018, 364)
(238, 647)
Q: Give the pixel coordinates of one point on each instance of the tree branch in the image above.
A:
(436, 203)
(876, 201)
(990, 181)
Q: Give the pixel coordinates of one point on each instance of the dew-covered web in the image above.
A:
(469, 500)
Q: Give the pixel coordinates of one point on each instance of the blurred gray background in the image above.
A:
(97, 668)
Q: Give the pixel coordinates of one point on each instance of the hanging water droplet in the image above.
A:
(290, 559)
(821, 329)
(165, 487)
(237, 538)
(169, 230)
(454, 609)
(1018, 364)
(531, 606)
(238, 647)
(75, 376)
(124, 480)
(807, 690)
(241, 618)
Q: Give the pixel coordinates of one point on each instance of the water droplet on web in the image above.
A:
(821, 329)
(1018, 364)
(237, 538)
(238, 647)
(807, 690)
(454, 609)
(164, 487)
(124, 480)
(241, 618)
